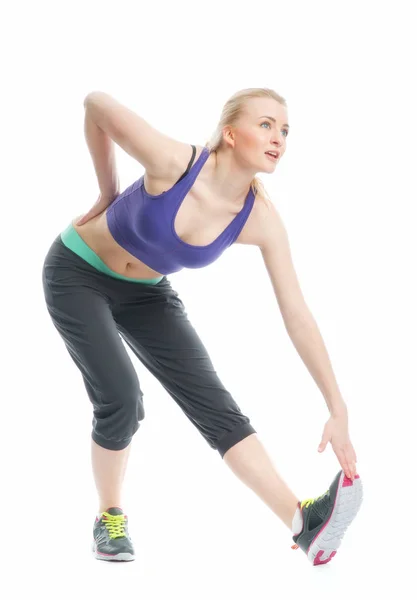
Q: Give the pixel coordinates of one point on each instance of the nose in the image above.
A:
(277, 140)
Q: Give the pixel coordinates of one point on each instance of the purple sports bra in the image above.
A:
(144, 224)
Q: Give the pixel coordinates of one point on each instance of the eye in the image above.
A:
(268, 123)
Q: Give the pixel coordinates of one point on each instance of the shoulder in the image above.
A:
(160, 155)
(183, 157)
(264, 227)
(184, 154)
(168, 175)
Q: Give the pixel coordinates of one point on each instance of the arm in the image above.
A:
(108, 121)
(102, 152)
(299, 322)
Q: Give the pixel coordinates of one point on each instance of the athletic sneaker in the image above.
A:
(326, 518)
(111, 538)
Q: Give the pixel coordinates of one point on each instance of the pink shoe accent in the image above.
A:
(317, 560)
(347, 481)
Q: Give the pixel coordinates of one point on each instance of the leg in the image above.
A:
(251, 464)
(169, 347)
(109, 467)
(163, 339)
(78, 300)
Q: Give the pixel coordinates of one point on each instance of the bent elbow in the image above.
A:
(91, 96)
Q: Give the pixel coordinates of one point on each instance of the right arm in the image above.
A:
(157, 152)
(107, 121)
(102, 152)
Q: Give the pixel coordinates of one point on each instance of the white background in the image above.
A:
(346, 190)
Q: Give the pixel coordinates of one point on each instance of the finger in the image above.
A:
(352, 453)
(347, 466)
(87, 217)
(324, 441)
(322, 446)
(84, 218)
(344, 463)
(350, 458)
(352, 465)
(351, 469)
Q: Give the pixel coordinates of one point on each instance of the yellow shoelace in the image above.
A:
(115, 524)
(309, 501)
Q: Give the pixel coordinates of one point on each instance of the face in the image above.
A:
(262, 127)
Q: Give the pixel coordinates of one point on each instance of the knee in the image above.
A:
(117, 415)
(128, 402)
(232, 438)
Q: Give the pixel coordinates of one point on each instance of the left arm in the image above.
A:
(299, 322)
(303, 331)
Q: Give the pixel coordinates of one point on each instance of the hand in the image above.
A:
(336, 432)
(100, 205)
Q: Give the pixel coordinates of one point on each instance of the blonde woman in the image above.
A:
(105, 278)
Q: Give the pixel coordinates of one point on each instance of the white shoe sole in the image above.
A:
(348, 500)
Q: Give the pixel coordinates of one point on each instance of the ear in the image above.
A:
(229, 136)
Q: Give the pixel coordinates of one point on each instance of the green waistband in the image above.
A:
(74, 242)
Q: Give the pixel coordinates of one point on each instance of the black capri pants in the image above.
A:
(91, 310)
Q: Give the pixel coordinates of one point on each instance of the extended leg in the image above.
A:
(249, 460)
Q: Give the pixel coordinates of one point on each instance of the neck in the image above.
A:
(228, 179)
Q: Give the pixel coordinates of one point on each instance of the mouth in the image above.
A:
(273, 155)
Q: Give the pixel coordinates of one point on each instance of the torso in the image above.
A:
(200, 219)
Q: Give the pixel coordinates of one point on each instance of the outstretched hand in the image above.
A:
(336, 432)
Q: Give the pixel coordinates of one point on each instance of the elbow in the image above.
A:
(87, 100)
(90, 97)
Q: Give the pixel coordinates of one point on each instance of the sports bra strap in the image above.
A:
(189, 164)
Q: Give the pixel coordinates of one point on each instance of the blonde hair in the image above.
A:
(231, 112)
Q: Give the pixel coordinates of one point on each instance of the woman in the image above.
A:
(105, 278)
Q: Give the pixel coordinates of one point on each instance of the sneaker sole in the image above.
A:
(121, 557)
(348, 500)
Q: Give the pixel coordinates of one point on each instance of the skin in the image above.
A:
(228, 174)
(242, 153)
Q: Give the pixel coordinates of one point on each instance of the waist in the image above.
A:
(72, 240)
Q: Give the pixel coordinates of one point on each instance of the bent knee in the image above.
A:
(123, 395)
(117, 415)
